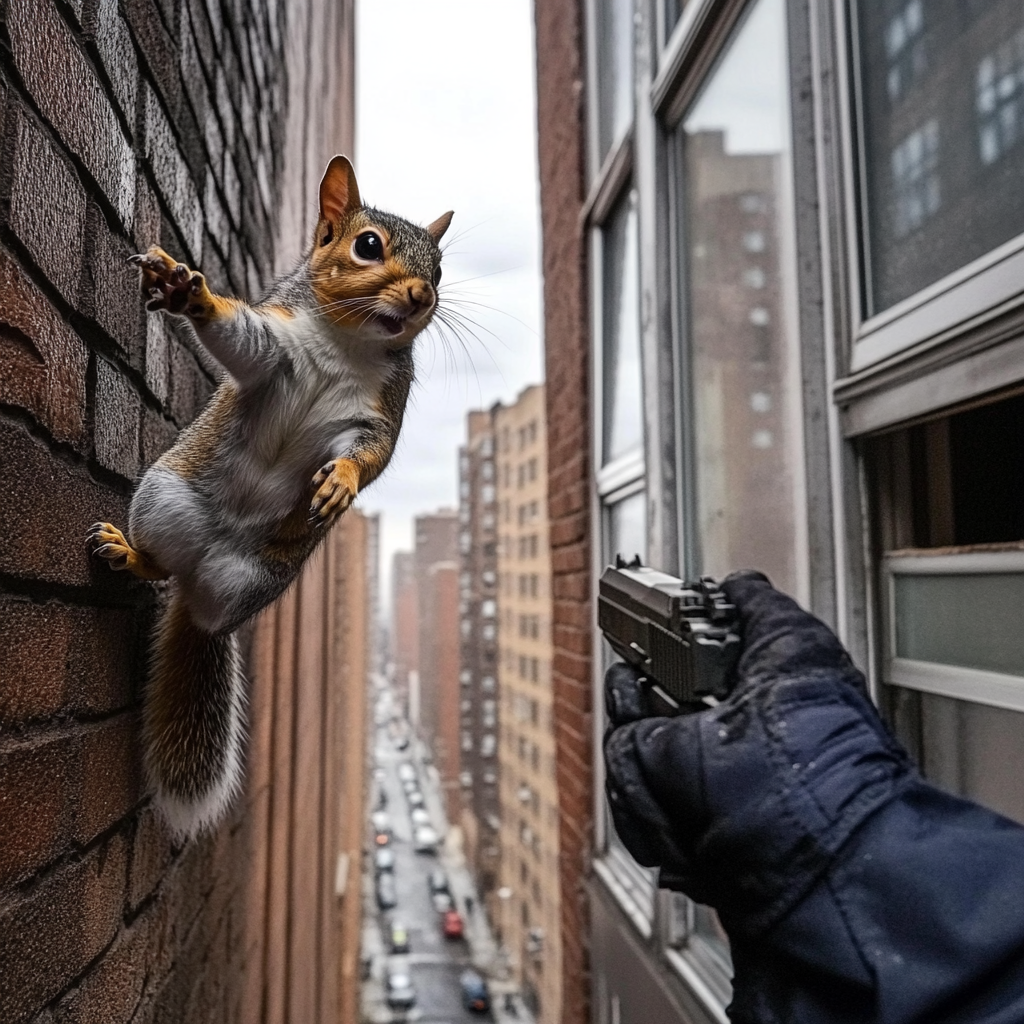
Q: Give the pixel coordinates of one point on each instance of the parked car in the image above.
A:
(402, 743)
(410, 786)
(442, 902)
(399, 938)
(474, 992)
(419, 816)
(381, 821)
(424, 839)
(438, 881)
(382, 838)
(406, 772)
(399, 991)
(383, 860)
(415, 798)
(387, 896)
(452, 924)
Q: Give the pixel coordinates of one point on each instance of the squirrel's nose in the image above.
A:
(420, 295)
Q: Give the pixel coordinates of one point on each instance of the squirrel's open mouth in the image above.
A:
(392, 324)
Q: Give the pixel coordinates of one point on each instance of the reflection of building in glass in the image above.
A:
(943, 119)
(479, 648)
(740, 361)
(1000, 99)
(915, 178)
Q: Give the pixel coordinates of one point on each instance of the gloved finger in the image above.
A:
(780, 639)
(648, 832)
(623, 694)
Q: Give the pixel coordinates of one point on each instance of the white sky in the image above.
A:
(445, 119)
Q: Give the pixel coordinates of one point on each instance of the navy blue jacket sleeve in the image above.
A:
(851, 889)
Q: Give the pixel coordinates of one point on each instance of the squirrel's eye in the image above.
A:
(437, 276)
(368, 246)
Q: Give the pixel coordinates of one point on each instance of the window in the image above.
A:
(950, 507)
(743, 367)
(622, 399)
(941, 113)
(614, 85)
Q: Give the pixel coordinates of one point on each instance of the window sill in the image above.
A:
(623, 897)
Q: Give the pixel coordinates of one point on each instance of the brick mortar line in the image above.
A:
(139, 597)
(67, 729)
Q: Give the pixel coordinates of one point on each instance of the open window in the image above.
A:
(950, 537)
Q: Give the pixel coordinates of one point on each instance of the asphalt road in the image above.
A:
(433, 961)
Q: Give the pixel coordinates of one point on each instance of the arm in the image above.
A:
(851, 889)
(240, 337)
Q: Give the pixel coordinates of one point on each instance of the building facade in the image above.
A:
(478, 604)
(196, 126)
(437, 681)
(527, 907)
(790, 336)
(405, 632)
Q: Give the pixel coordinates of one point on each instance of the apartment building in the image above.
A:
(405, 630)
(790, 334)
(527, 907)
(478, 701)
(437, 602)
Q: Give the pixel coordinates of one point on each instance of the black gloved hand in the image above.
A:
(742, 806)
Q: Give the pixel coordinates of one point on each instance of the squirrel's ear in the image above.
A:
(437, 229)
(339, 193)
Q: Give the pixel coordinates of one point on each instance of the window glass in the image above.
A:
(741, 344)
(627, 527)
(615, 71)
(623, 412)
(942, 118)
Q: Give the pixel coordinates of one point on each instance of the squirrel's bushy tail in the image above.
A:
(194, 718)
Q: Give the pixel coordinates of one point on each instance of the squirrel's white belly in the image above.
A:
(269, 475)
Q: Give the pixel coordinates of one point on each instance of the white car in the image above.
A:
(419, 816)
(381, 821)
(424, 839)
(400, 993)
(406, 772)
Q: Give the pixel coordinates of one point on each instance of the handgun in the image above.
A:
(681, 635)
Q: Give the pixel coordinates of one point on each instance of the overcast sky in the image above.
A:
(445, 120)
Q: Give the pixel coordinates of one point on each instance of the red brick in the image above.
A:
(116, 424)
(157, 436)
(49, 936)
(158, 49)
(151, 856)
(111, 992)
(64, 788)
(56, 659)
(47, 208)
(42, 361)
(173, 180)
(110, 288)
(71, 98)
(190, 387)
(114, 43)
(45, 518)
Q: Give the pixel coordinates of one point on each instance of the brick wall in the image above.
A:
(559, 34)
(202, 125)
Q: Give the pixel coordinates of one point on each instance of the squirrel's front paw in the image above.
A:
(168, 284)
(336, 483)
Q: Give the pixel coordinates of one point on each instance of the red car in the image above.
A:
(452, 924)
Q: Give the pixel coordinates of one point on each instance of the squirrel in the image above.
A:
(317, 378)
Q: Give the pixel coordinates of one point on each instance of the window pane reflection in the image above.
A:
(943, 124)
(744, 368)
(615, 71)
(623, 414)
(627, 527)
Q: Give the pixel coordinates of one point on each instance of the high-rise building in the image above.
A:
(405, 629)
(527, 907)
(478, 702)
(437, 587)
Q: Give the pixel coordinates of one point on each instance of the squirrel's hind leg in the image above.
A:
(171, 520)
(110, 544)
